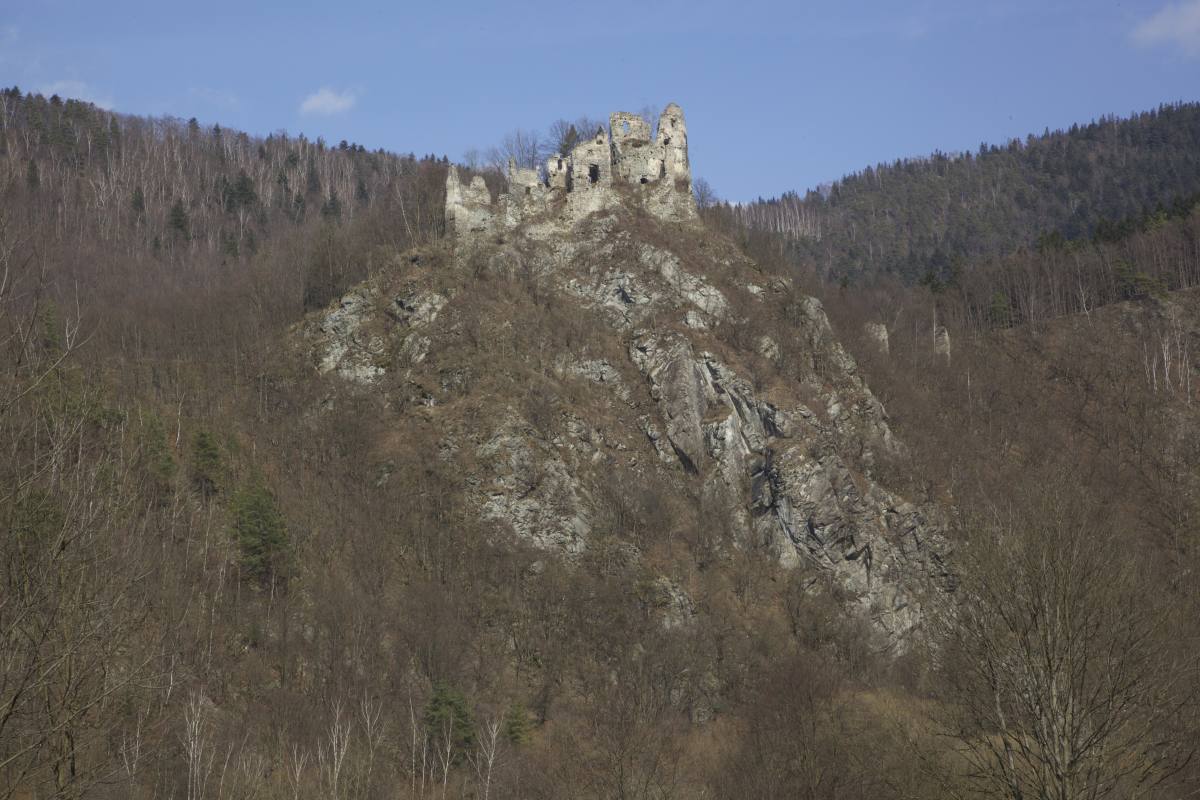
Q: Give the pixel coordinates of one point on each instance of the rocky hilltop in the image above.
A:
(596, 367)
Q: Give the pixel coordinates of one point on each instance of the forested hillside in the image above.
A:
(224, 574)
(251, 398)
(136, 191)
(148, 271)
(933, 216)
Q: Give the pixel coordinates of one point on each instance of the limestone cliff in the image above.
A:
(684, 368)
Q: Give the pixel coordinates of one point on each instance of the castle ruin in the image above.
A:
(593, 176)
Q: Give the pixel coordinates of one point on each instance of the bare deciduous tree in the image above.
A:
(331, 754)
(486, 757)
(297, 759)
(197, 747)
(374, 728)
(705, 196)
(1060, 681)
(522, 146)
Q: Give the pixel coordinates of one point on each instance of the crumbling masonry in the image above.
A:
(592, 177)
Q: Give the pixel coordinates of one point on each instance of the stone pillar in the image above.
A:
(454, 201)
(941, 341)
(878, 333)
(672, 138)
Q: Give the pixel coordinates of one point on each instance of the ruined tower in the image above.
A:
(672, 138)
(607, 168)
(591, 163)
(637, 159)
(634, 160)
(468, 208)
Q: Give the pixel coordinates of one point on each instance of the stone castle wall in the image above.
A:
(583, 181)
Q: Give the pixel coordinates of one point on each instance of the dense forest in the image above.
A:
(166, 190)
(1140, 257)
(208, 591)
(931, 216)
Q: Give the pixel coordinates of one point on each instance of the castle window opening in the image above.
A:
(593, 173)
(645, 179)
(625, 126)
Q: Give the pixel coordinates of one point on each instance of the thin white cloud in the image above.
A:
(327, 101)
(76, 90)
(1177, 25)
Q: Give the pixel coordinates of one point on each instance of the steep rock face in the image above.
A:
(705, 376)
(532, 490)
(805, 500)
(679, 385)
(812, 504)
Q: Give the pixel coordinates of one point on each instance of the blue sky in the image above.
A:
(778, 95)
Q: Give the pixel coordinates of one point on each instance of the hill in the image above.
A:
(932, 216)
(581, 437)
(539, 485)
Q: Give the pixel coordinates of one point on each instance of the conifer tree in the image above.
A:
(177, 220)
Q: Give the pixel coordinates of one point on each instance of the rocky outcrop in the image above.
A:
(367, 330)
(806, 502)
(344, 345)
(532, 490)
(941, 341)
(721, 386)
(681, 388)
(878, 333)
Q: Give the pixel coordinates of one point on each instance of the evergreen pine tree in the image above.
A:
(448, 715)
(259, 530)
(518, 726)
(177, 220)
(332, 209)
(207, 466)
